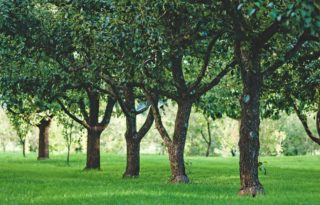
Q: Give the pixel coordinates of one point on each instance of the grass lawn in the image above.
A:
(289, 180)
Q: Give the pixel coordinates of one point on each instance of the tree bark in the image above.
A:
(24, 149)
(318, 122)
(43, 152)
(93, 149)
(133, 159)
(210, 138)
(176, 147)
(68, 155)
(249, 144)
(208, 149)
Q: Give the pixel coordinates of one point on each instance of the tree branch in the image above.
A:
(204, 138)
(288, 55)
(157, 118)
(206, 61)
(83, 111)
(146, 125)
(72, 116)
(108, 112)
(202, 90)
(304, 122)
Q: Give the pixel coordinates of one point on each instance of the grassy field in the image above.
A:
(289, 180)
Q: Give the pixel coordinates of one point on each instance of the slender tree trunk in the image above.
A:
(43, 152)
(24, 149)
(176, 148)
(68, 154)
(318, 122)
(249, 128)
(3, 147)
(208, 149)
(209, 138)
(93, 150)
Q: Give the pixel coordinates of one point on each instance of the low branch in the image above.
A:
(304, 122)
(108, 112)
(157, 118)
(72, 116)
(146, 125)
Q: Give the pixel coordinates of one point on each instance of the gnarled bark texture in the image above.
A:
(43, 151)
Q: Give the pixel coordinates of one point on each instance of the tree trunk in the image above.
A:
(209, 138)
(68, 155)
(318, 122)
(24, 149)
(176, 148)
(133, 159)
(3, 147)
(208, 149)
(249, 128)
(93, 149)
(43, 152)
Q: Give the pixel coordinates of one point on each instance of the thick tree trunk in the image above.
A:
(176, 148)
(249, 129)
(93, 149)
(133, 159)
(133, 142)
(43, 152)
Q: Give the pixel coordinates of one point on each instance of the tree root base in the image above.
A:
(180, 179)
(92, 169)
(42, 158)
(130, 176)
(251, 191)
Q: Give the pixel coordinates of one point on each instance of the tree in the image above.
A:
(71, 133)
(65, 62)
(173, 37)
(261, 32)
(299, 91)
(22, 129)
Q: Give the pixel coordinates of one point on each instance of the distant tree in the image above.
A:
(22, 129)
(71, 132)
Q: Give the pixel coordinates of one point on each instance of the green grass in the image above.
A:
(290, 180)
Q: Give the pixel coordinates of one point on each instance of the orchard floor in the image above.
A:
(289, 180)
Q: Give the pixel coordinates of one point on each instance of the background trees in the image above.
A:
(89, 58)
